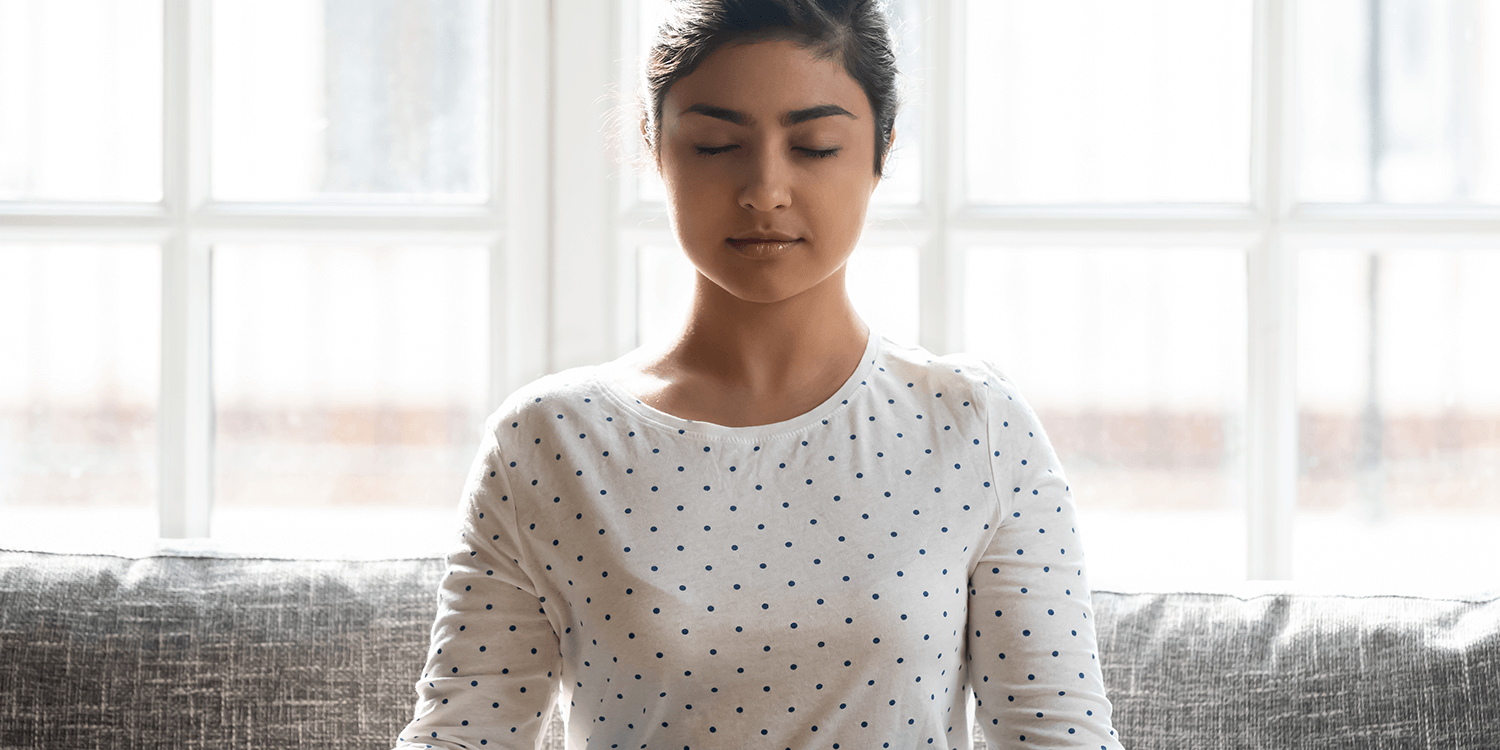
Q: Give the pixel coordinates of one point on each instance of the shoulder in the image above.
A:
(959, 372)
(994, 395)
(539, 402)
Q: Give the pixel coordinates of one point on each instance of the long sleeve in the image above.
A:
(491, 676)
(1035, 670)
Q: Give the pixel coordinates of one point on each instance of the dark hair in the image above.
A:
(854, 30)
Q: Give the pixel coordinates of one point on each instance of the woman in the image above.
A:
(782, 530)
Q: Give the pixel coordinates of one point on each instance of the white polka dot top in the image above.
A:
(836, 580)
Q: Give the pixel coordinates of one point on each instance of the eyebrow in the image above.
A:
(794, 117)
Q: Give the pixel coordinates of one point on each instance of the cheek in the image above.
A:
(696, 201)
(842, 207)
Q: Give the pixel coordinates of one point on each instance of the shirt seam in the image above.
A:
(523, 560)
(1000, 505)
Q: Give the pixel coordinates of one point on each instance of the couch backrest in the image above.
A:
(201, 652)
(231, 652)
(1300, 671)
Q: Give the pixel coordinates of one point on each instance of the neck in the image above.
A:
(769, 348)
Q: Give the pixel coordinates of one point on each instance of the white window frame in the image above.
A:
(187, 223)
(562, 211)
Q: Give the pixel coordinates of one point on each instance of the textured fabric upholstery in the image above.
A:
(221, 652)
(107, 652)
(1300, 671)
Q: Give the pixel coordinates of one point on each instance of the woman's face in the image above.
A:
(767, 153)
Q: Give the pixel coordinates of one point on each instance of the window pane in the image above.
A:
(65, 69)
(346, 377)
(1399, 381)
(1101, 101)
(1399, 101)
(345, 98)
(883, 285)
(80, 355)
(1134, 359)
(649, 187)
(664, 294)
(902, 183)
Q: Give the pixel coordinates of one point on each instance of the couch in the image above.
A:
(223, 651)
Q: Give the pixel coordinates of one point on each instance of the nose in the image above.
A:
(768, 184)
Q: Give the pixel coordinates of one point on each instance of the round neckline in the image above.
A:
(815, 416)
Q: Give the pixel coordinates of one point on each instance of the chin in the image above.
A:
(762, 281)
(761, 294)
(763, 290)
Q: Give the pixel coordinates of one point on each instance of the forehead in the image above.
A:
(765, 80)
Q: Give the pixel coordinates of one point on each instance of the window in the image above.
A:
(1240, 255)
(270, 304)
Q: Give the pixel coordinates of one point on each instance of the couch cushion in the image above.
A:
(231, 652)
(1304, 671)
(203, 652)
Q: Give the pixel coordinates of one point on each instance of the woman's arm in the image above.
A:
(492, 670)
(1033, 655)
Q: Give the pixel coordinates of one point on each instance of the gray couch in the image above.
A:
(185, 651)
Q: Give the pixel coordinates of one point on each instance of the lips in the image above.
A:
(762, 248)
(768, 240)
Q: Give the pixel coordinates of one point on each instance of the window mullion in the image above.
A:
(500, 108)
(1271, 399)
(520, 332)
(940, 301)
(582, 189)
(186, 405)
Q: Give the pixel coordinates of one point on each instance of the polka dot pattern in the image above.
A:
(837, 580)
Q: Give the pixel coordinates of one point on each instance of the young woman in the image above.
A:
(782, 530)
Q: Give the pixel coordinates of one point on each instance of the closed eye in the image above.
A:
(809, 152)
